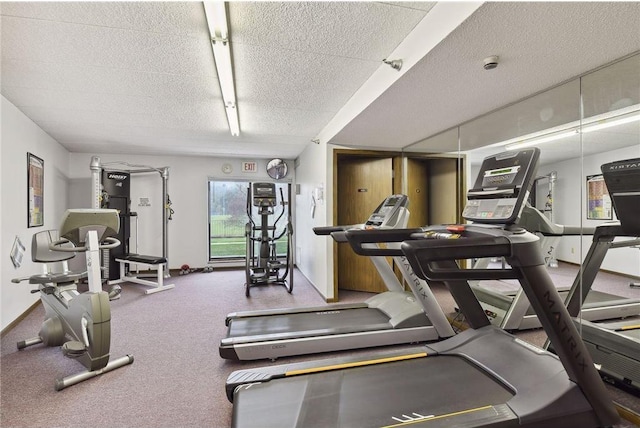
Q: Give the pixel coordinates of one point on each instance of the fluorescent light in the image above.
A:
(542, 140)
(216, 15)
(603, 124)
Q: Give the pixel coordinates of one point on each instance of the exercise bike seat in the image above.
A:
(57, 278)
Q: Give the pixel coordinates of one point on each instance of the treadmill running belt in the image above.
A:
(287, 323)
(365, 396)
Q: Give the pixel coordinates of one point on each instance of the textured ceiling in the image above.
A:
(139, 77)
(540, 45)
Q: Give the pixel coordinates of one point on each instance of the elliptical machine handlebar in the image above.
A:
(107, 244)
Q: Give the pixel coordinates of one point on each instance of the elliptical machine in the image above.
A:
(79, 322)
(264, 267)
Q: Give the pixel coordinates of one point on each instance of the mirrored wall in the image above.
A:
(578, 126)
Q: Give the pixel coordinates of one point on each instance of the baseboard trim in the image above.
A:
(15, 322)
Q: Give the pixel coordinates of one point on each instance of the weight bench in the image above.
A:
(150, 262)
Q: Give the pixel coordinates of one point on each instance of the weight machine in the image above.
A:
(111, 189)
(264, 266)
(550, 243)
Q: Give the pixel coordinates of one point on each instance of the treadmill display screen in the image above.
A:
(500, 177)
(386, 211)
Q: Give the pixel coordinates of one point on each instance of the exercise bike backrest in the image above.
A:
(41, 252)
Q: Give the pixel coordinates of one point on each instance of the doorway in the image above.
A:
(363, 180)
(435, 186)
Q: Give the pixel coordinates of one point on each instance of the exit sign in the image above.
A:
(249, 167)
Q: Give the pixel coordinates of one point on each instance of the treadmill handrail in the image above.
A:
(421, 252)
(328, 230)
(358, 237)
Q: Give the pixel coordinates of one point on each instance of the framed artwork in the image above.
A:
(35, 191)
(598, 199)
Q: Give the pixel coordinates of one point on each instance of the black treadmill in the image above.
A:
(393, 317)
(614, 346)
(483, 376)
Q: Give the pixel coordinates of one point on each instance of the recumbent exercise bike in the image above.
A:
(79, 322)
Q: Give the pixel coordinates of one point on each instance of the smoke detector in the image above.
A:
(491, 62)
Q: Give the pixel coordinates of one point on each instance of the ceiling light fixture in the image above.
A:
(608, 123)
(542, 140)
(216, 14)
(569, 130)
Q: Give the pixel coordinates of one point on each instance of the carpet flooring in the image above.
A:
(177, 378)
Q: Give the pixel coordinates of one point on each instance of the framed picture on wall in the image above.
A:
(598, 199)
(35, 191)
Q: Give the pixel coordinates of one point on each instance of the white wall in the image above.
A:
(20, 135)
(187, 189)
(315, 253)
(570, 193)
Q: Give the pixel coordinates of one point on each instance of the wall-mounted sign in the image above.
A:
(35, 191)
(249, 167)
(598, 199)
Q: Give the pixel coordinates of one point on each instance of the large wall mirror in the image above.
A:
(578, 126)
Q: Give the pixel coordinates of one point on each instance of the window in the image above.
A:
(228, 218)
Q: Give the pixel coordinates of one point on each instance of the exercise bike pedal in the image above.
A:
(50, 289)
(73, 349)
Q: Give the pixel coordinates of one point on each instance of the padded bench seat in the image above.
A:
(139, 258)
(151, 262)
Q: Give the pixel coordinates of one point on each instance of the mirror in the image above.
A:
(578, 126)
(277, 169)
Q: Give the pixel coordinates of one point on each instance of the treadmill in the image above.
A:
(483, 376)
(512, 311)
(614, 346)
(393, 317)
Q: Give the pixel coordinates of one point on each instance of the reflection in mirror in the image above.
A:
(578, 126)
(277, 169)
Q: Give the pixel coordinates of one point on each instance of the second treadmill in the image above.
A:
(392, 317)
(614, 346)
(512, 311)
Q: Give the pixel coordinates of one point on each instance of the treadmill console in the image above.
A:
(264, 194)
(387, 212)
(502, 187)
(623, 182)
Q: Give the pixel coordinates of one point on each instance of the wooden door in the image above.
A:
(418, 192)
(444, 191)
(363, 183)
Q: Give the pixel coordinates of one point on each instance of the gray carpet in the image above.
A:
(177, 379)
